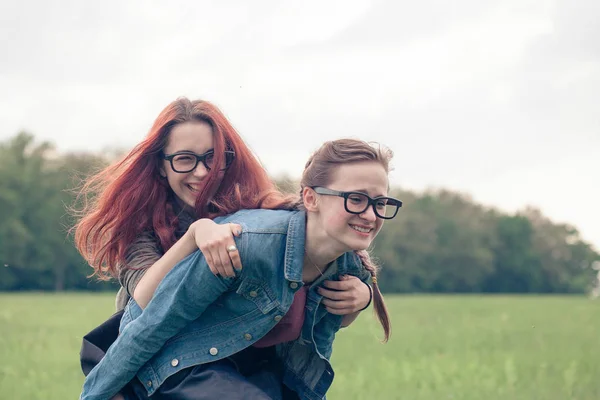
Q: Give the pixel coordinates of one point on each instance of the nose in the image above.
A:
(369, 214)
(200, 171)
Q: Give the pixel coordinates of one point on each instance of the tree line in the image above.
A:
(441, 241)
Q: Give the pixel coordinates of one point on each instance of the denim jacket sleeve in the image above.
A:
(182, 296)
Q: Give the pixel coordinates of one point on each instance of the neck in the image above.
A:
(319, 249)
(179, 206)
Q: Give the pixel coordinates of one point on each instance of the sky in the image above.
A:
(496, 99)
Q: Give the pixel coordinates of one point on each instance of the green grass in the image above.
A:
(442, 347)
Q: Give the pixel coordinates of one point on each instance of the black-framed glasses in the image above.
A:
(358, 202)
(186, 161)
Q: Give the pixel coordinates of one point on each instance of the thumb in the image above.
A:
(236, 229)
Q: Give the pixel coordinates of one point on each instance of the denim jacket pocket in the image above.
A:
(259, 294)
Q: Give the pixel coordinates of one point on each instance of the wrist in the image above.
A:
(199, 224)
(370, 296)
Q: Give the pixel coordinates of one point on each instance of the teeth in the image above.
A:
(360, 229)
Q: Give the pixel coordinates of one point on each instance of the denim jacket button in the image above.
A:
(278, 318)
(149, 383)
(248, 336)
(253, 293)
(174, 362)
(213, 351)
(294, 285)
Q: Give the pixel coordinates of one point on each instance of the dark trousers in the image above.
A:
(253, 374)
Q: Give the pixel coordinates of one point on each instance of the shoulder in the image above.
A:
(146, 240)
(350, 263)
(262, 221)
(142, 252)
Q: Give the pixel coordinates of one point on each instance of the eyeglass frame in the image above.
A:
(370, 200)
(199, 158)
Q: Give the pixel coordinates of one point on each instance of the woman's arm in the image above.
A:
(181, 297)
(140, 256)
(212, 239)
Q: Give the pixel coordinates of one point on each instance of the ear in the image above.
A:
(162, 172)
(310, 199)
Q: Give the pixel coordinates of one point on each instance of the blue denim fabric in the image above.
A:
(196, 317)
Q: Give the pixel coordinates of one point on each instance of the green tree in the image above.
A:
(35, 251)
(565, 259)
(517, 264)
(441, 241)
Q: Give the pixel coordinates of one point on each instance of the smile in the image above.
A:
(193, 187)
(361, 229)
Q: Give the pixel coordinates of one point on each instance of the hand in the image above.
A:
(346, 296)
(213, 240)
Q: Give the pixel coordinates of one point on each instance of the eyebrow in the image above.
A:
(191, 152)
(367, 192)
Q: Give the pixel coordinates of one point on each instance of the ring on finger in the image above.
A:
(231, 248)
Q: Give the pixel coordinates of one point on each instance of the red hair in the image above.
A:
(130, 197)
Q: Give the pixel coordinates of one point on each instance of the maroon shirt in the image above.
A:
(290, 326)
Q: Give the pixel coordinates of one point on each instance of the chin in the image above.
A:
(357, 245)
(191, 203)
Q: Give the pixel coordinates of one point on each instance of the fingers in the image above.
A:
(209, 260)
(338, 302)
(221, 261)
(225, 267)
(217, 258)
(235, 258)
(340, 307)
(236, 229)
(334, 294)
(345, 296)
(230, 260)
(345, 284)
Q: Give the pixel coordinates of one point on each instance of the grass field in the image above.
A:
(442, 347)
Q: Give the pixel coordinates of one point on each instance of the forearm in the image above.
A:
(147, 285)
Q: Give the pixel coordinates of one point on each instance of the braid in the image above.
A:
(378, 302)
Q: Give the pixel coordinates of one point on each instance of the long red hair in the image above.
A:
(130, 197)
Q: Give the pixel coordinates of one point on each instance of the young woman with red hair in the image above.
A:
(192, 166)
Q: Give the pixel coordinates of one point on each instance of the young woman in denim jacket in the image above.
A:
(197, 323)
(142, 207)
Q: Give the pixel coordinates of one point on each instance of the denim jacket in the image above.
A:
(196, 317)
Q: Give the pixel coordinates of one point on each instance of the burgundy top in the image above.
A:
(290, 326)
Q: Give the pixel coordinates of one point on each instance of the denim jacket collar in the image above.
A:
(294, 250)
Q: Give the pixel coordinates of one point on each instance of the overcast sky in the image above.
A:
(498, 99)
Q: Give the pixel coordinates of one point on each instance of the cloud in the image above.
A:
(476, 96)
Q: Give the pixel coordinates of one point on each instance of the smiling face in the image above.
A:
(352, 231)
(197, 137)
